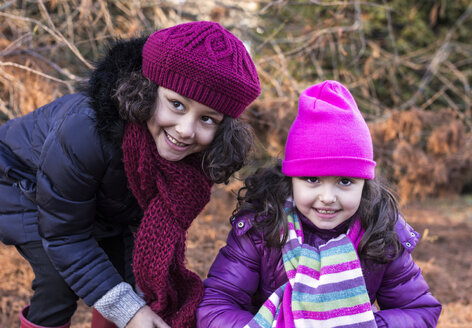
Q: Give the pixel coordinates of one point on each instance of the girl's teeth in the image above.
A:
(326, 212)
(175, 142)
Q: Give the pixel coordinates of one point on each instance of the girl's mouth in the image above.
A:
(175, 141)
(326, 213)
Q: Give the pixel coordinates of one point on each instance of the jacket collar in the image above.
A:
(244, 220)
(406, 234)
(122, 58)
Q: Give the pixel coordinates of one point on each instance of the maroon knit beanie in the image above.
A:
(204, 62)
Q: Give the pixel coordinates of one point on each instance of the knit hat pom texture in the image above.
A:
(329, 136)
(204, 62)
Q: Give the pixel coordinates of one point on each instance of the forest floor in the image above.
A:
(444, 254)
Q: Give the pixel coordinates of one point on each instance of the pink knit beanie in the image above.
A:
(204, 62)
(329, 136)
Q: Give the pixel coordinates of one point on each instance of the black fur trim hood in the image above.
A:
(123, 57)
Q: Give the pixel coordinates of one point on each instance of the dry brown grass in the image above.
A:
(424, 153)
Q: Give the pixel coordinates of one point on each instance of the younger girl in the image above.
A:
(134, 155)
(317, 240)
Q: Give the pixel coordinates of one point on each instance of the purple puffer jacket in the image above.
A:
(246, 272)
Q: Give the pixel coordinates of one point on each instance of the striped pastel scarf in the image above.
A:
(326, 287)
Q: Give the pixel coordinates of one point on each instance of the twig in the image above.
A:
(270, 4)
(4, 110)
(273, 81)
(58, 35)
(127, 11)
(270, 37)
(46, 14)
(64, 72)
(12, 49)
(358, 19)
(344, 3)
(390, 32)
(460, 76)
(15, 44)
(50, 31)
(451, 86)
(139, 12)
(316, 64)
(433, 98)
(107, 17)
(6, 5)
(441, 54)
(451, 102)
(330, 30)
(29, 69)
(284, 66)
(332, 47)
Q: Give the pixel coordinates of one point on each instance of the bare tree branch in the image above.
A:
(441, 55)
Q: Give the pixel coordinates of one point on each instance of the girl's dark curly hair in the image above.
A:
(266, 191)
(136, 96)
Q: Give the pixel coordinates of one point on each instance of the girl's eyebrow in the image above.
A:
(173, 94)
(214, 112)
(209, 111)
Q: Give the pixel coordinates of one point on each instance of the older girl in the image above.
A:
(134, 155)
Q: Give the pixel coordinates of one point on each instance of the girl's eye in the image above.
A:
(177, 105)
(312, 179)
(208, 120)
(345, 181)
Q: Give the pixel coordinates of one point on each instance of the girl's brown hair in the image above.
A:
(266, 191)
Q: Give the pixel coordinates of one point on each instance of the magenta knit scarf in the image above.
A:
(171, 194)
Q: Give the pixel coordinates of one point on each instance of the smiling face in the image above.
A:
(327, 201)
(181, 126)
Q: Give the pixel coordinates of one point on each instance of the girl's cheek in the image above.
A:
(208, 135)
(209, 139)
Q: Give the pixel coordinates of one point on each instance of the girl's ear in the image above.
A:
(230, 150)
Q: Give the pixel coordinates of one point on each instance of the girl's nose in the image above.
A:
(327, 196)
(185, 128)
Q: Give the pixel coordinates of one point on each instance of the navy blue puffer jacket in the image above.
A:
(62, 179)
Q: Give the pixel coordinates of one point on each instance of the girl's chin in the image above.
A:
(326, 224)
(171, 157)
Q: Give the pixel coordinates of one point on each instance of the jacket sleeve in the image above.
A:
(232, 280)
(404, 297)
(71, 165)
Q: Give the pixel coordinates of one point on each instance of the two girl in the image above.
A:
(316, 240)
(130, 161)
